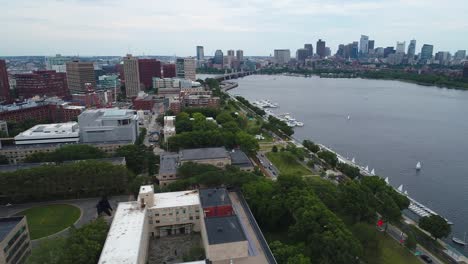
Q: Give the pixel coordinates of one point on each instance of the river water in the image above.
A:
(392, 126)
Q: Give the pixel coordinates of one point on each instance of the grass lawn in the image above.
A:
(50, 219)
(394, 253)
(287, 163)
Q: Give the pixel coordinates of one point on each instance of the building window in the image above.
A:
(157, 221)
(150, 222)
(191, 217)
(197, 217)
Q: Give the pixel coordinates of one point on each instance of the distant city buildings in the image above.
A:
(400, 47)
(465, 71)
(321, 51)
(200, 53)
(370, 45)
(80, 73)
(57, 63)
(426, 53)
(302, 55)
(218, 57)
(310, 50)
(282, 56)
(132, 75)
(364, 44)
(412, 50)
(42, 83)
(4, 82)
(230, 53)
(240, 55)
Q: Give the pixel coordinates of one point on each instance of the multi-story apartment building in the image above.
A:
(41, 110)
(282, 56)
(42, 83)
(169, 70)
(15, 242)
(148, 69)
(132, 75)
(4, 83)
(186, 68)
(79, 74)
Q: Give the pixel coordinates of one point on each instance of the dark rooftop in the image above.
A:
(7, 224)
(214, 197)
(168, 162)
(224, 229)
(239, 158)
(203, 153)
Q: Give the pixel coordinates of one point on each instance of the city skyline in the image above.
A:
(258, 27)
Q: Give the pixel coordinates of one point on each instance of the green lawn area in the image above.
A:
(394, 253)
(50, 219)
(287, 163)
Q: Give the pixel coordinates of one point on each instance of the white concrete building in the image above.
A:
(132, 75)
(169, 127)
(50, 133)
(282, 56)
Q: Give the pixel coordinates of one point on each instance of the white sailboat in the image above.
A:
(387, 181)
(418, 165)
(349, 117)
(400, 188)
(353, 160)
(367, 168)
(406, 193)
(373, 172)
(459, 241)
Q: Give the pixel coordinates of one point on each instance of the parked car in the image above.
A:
(426, 258)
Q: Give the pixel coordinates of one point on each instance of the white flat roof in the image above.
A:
(173, 199)
(125, 235)
(43, 131)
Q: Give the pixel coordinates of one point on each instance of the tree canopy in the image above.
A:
(67, 152)
(436, 225)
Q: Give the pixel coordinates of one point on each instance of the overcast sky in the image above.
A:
(154, 27)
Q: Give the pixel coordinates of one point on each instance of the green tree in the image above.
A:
(436, 225)
(3, 159)
(311, 146)
(224, 117)
(329, 157)
(368, 236)
(356, 202)
(247, 142)
(410, 241)
(68, 152)
(274, 149)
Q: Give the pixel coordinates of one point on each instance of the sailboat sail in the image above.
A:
(373, 172)
(367, 168)
(418, 165)
(400, 188)
(387, 181)
(353, 160)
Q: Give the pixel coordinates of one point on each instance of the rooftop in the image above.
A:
(125, 235)
(172, 199)
(168, 162)
(203, 153)
(224, 229)
(214, 197)
(239, 158)
(60, 130)
(7, 224)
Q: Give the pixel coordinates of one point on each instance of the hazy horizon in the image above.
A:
(160, 28)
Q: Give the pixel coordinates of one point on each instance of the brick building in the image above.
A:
(4, 83)
(169, 70)
(148, 68)
(80, 73)
(42, 83)
(42, 111)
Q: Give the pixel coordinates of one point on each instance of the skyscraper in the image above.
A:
(388, 51)
(230, 53)
(240, 55)
(132, 75)
(200, 53)
(218, 57)
(147, 69)
(301, 55)
(364, 44)
(282, 56)
(57, 63)
(185, 68)
(80, 73)
(370, 45)
(4, 83)
(321, 48)
(426, 53)
(412, 49)
(310, 50)
(400, 47)
(465, 71)
(42, 83)
(460, 55)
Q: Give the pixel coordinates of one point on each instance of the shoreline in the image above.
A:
(292, 139)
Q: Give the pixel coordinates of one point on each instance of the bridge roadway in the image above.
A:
(233, 75)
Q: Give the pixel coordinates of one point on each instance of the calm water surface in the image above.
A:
(393, 125)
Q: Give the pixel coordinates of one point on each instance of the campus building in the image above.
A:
(209, 212)
(49, 133)
(42, 83)
(15, 242)
(111, 125)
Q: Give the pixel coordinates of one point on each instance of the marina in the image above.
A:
(266, 105)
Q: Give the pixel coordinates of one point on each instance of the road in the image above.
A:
(397, 234)
(267, 165)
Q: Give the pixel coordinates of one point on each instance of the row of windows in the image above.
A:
(14, 250)
(173, 220)
(14, 238)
